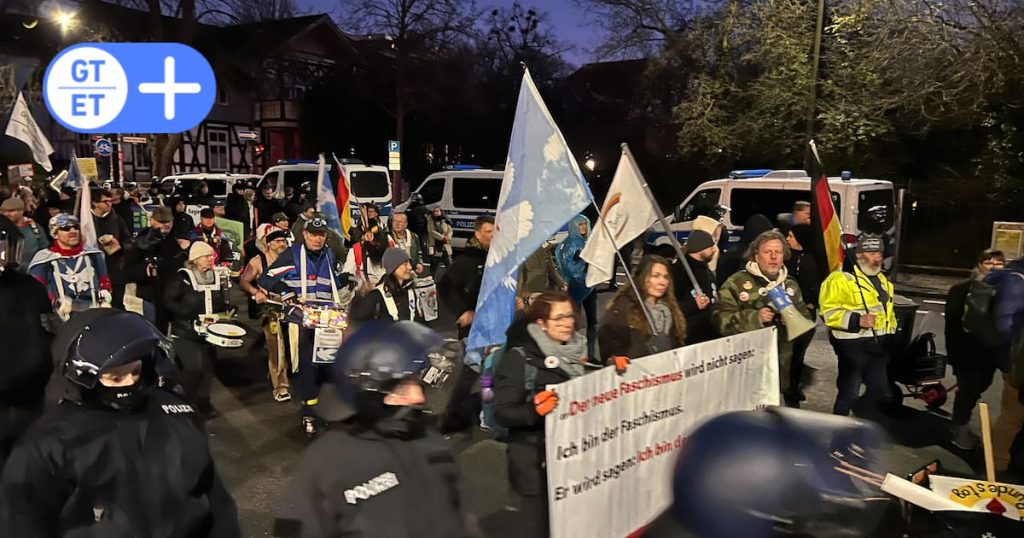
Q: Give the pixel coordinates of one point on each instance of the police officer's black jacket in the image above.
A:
(359, 483)
(460, 285)
(88, 471)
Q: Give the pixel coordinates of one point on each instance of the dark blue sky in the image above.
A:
(567, 21)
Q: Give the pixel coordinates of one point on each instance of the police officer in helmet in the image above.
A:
(387, 473)
(119, 456)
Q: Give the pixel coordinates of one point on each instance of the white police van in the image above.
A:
(864, 205)
(220, 184)
(368, 183)
(464, 192)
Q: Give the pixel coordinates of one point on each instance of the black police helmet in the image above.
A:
(99, 339)
(380, 355)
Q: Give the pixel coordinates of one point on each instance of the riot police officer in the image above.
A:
(397, 477)
(119, 455)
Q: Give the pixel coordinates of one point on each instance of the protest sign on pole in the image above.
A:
(612, 443)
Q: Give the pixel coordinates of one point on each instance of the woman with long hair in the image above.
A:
(439, 240)
(626, 330)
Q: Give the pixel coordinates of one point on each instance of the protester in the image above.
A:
(700, 251)
(27, 364)
(310, 273)
(539, 273)
(570, 274)
(546, 334)
(196, 294)
(974, 360)
(237, 209)
(803, 266)
(743, 303)
(266, 205)
(418, 214)
(274, 243)
(459, 289)
(33, 238)
(183, 223)
(626, 330)
(200, 195)
(364, 259)
(373, 224)
(334, 238)
(393, 298)
(407, 240)
(398, 477)
(122, 207)
(857, 307)
(113, 236)
(151, 263)
(280, 219)
(208, 232)
(1008, 433)
(735, 259)
(439, 240)
(120, 455)
(75, 278)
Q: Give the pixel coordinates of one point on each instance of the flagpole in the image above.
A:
(622, 260)
(664, 224)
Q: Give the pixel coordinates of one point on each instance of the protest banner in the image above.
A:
(612, 442)
(235, 233)
(87, 168)
(1006, 500)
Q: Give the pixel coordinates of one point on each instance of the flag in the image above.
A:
(84, 213)
(540, 192)
(824, 218)
(342, 200)
(24, 127)
(325, 197)
(74, 178)
(627, 212)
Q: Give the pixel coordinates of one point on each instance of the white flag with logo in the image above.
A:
(87, 226)
(626, 213)
(23, 127)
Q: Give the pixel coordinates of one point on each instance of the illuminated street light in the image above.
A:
(590, 163)
(65, 19)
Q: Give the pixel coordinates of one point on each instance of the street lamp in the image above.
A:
(64, 19)
(590, 163)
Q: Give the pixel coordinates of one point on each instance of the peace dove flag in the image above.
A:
(24, 127)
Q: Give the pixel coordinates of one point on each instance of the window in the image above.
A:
(140, 156)
(369, 184)
(432, 191)
(217, 150)
(876, 212)
(769, 202)
(84, 147)
(475, 192)
(702, 203)
(186, 187)
(297, 178)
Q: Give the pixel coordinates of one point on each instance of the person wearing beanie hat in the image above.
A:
(857, 307)
(208, 232)
(151, 264)
(197, 293)
(33, 237)
(700, 250)
(392, 299)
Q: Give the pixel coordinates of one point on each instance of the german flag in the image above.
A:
(824, 218)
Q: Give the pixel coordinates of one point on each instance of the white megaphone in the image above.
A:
(796, 323)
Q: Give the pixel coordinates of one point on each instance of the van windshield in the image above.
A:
(876, 211)
(369, 184)
(475, 192)
(296, 178)
(769, 202)
(218, 187)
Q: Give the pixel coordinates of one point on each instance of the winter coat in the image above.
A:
(437, 230)
(962, 348)
(735, 259)
(698, 322)
(617, 335)
(186, 304)
(265, 209)
(459, 288)
(84, 471)
(539, 273)
(573, 268)
(33, 239)
(804, 268)
(1009, 310)
(514, 408)
(383, 487)
(373, 307)
(170, 257)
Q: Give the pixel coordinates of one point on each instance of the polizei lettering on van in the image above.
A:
(372, 488)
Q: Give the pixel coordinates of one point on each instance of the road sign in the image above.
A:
(394, 155)
(394, 145)
(134, 139)
(248, 135)
(104, 148)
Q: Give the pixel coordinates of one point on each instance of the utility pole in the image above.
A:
(812, 105)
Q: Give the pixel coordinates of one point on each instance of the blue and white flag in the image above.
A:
(74, 177)
(542, 189)
(325, 202)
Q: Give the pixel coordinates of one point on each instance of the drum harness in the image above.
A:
(77, 277)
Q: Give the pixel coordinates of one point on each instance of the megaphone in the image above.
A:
(796, 323)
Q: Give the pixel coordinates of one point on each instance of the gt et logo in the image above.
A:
(129, 88)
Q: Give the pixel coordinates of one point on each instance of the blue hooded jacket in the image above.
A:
(573, 268)
(1009, 307)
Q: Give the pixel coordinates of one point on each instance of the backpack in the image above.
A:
(979, 317)
(490, 365)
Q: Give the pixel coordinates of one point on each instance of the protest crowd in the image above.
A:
(113, 316)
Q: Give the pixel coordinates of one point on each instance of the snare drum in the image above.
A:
(426, 298)
(225, 334)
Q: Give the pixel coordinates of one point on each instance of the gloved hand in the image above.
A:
(545, 401)
(105, 298)
(63, 307)
(620, 362)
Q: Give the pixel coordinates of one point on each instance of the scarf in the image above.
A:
(661, 315)
(780, 280)
(568, 354)
(204, 278)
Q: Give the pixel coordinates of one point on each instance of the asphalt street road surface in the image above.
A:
(257, 441)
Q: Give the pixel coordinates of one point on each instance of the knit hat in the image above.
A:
(207, 213)
(278, 216)
(163, 214)
(13, 203)
(393, 258)
(699, 240)
(317, 223)
(198, 250)
(870, 243)
(275, 235)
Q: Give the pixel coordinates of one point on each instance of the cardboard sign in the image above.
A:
(981, 496)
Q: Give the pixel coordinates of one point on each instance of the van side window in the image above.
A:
(432, 191)
(876, 212)
(701, 204)
(475, 192)
(768, 202)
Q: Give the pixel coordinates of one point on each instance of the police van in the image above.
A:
(220, 184)
(863, 205)
(464, 192)
(368, 183)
